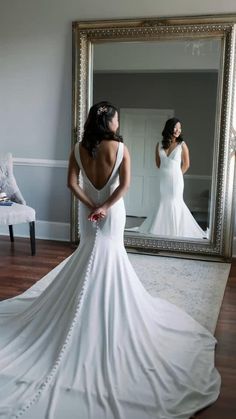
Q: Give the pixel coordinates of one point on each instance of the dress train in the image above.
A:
(88, 341)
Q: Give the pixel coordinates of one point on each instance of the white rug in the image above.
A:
(195, 286)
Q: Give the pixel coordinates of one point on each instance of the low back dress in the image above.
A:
(89, 342)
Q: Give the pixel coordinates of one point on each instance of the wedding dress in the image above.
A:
(88, 342)
(172, 217)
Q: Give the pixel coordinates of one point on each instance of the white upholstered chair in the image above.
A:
(18, 212)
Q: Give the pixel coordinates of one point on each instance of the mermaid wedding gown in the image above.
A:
(88, 342)
(172, 217)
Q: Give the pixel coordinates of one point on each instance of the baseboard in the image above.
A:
(47, 230)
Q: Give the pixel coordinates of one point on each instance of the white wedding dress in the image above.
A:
(172, 216)
(88, 342)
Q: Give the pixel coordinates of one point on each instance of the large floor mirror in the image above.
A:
(154, 70)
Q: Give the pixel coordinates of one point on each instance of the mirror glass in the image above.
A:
(151, 82)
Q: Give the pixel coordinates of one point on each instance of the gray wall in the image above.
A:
(35, 85)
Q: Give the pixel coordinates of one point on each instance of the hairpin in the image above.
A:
(101, 110)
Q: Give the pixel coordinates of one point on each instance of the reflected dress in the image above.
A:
(87, 341)
(172, 216)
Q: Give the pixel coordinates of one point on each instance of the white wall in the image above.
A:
(35, 86)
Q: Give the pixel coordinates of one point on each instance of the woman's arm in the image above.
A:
(185, 158)
(124, 173)
(158, 160)
(72, 182)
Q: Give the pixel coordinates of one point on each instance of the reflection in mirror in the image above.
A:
(171, 217)
(151, 82)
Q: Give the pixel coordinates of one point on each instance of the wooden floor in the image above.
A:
(19, 270)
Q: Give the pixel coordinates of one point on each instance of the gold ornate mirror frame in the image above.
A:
(86, 35)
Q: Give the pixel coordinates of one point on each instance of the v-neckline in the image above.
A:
(168, 155)
(109, 178)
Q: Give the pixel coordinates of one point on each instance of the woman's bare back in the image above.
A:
(99, 169)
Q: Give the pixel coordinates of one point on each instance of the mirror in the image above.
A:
(153, 71)
(148, 91)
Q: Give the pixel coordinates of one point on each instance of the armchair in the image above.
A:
(18, 212)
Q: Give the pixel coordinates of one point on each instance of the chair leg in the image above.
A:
(32, 237)
(11, 233)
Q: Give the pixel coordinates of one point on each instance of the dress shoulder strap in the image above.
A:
(119, 158)
(160, 148)
(120, 154)
(77, 154)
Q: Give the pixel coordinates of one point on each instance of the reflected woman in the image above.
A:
(172, 217)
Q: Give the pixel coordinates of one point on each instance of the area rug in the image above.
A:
(195, 286)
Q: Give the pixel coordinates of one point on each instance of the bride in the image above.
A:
(172, 217)
(87, 341)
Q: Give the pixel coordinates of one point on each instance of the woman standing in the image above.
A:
(172, 217)
(88, 341)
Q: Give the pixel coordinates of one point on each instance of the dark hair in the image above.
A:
(168, 131)
(96, 127)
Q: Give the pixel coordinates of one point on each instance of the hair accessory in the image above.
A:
(101, 110)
